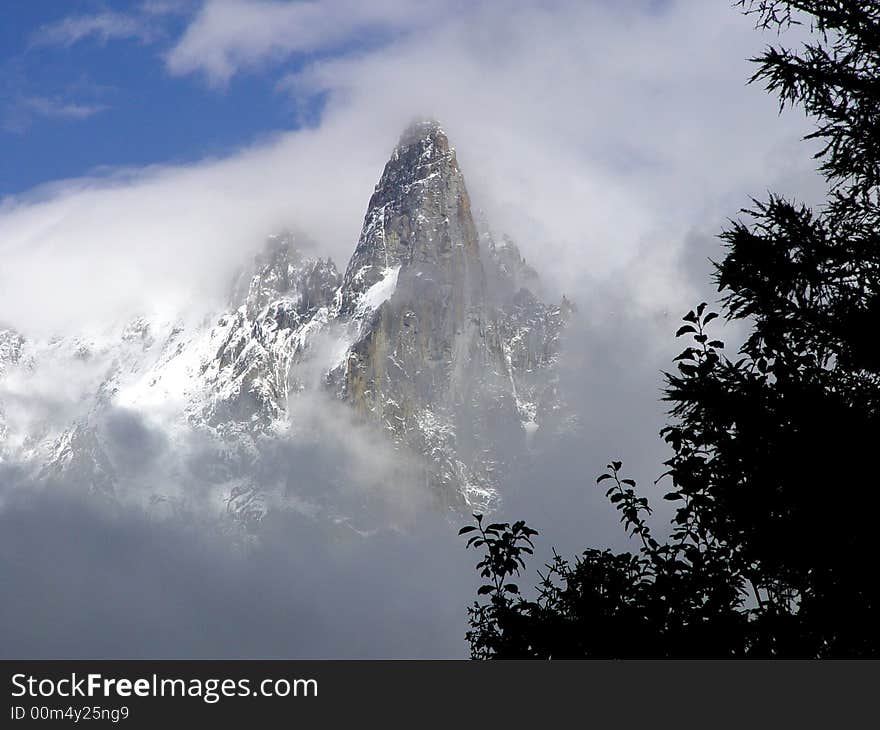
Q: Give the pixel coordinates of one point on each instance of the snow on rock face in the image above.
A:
(248, 377)
(445, 348)
(379, 292)
(418, 217)
(11, 343)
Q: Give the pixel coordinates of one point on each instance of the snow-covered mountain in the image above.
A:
(434, 338)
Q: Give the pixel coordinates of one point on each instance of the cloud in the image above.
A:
(130, 240)
(167, 7)
(21, 112)
(229, 36)
(94, 582)
(349, 562)
(59, 109)
(102, 27)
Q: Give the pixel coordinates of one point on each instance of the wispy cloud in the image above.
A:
(168, 7)
(20, 114)
(229, 36)
(59, 109)
(101, 27)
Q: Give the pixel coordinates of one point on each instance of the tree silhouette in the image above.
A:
(772, 549)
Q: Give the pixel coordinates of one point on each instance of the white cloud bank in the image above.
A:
(228, 36)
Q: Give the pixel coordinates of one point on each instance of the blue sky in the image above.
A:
(68, 108)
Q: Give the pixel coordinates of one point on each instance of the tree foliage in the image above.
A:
(772, 546)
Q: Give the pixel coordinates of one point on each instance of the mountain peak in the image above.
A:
(422, 152)
(418, 218)
(422, 130)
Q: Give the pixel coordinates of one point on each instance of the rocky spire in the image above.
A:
(418, 220)
(429, 359)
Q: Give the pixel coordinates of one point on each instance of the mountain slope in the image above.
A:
(439, 344)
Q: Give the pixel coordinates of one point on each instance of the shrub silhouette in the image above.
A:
(772, 549)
